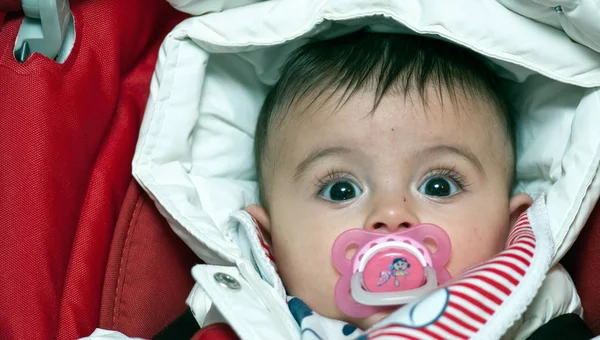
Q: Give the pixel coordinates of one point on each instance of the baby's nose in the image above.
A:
(391, 217)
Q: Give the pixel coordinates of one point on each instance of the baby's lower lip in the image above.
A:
(390, 309)
(385, 312)
(375, 318)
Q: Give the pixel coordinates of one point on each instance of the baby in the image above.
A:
(382, 132)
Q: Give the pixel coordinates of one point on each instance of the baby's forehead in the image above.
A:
(435, 108)
(439, 124)
(321, 78)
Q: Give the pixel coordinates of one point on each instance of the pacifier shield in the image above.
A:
(388, 269)
(392, 270)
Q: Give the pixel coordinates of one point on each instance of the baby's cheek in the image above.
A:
(306, 272)
(302, 251)
(469, 249)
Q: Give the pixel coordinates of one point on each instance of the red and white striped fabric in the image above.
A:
(485, 300)
(263, 243)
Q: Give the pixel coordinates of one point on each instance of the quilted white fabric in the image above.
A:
(196, 7)
(580, 19)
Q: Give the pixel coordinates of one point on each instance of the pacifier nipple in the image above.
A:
(388, 269)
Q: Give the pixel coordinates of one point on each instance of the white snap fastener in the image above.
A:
(227, 281)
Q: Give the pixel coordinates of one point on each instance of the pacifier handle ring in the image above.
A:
(348, 305)
(360, 295)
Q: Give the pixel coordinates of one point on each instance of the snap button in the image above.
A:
(558, 9)
(227, 281)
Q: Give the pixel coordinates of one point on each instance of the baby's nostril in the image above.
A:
(379, 225)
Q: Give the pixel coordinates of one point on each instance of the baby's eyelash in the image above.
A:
(448, 171)
(333, 175)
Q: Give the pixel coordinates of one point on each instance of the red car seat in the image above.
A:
(68, 135)
(83, 246)
(583, 263)
(148, 274)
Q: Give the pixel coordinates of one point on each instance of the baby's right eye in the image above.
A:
(340, 191)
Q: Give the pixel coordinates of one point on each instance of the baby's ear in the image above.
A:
(262, 218)
(517, 205)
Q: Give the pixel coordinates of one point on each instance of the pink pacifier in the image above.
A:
(388, 269)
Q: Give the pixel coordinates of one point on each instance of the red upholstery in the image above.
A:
(217, 331)
(67, 140)
(148, 273)
(10, 5)
(583, 263)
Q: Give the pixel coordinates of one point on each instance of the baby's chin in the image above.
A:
(368, 322)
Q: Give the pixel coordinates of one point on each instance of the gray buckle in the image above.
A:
(43, 29)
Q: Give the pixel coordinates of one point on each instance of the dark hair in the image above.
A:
(383, 62)
(400, 259)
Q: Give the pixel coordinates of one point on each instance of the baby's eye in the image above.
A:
(439, 187)
(341, 191)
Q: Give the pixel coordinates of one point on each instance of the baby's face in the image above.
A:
(393, 169)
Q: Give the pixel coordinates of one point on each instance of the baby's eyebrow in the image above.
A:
(317, 155)
(461, 151)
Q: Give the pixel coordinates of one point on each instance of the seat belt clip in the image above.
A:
(43, 29)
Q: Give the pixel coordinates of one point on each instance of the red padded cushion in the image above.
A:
(10, 5)
(217, 331)
(148, 275)
(583, 263)
(66, 144)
